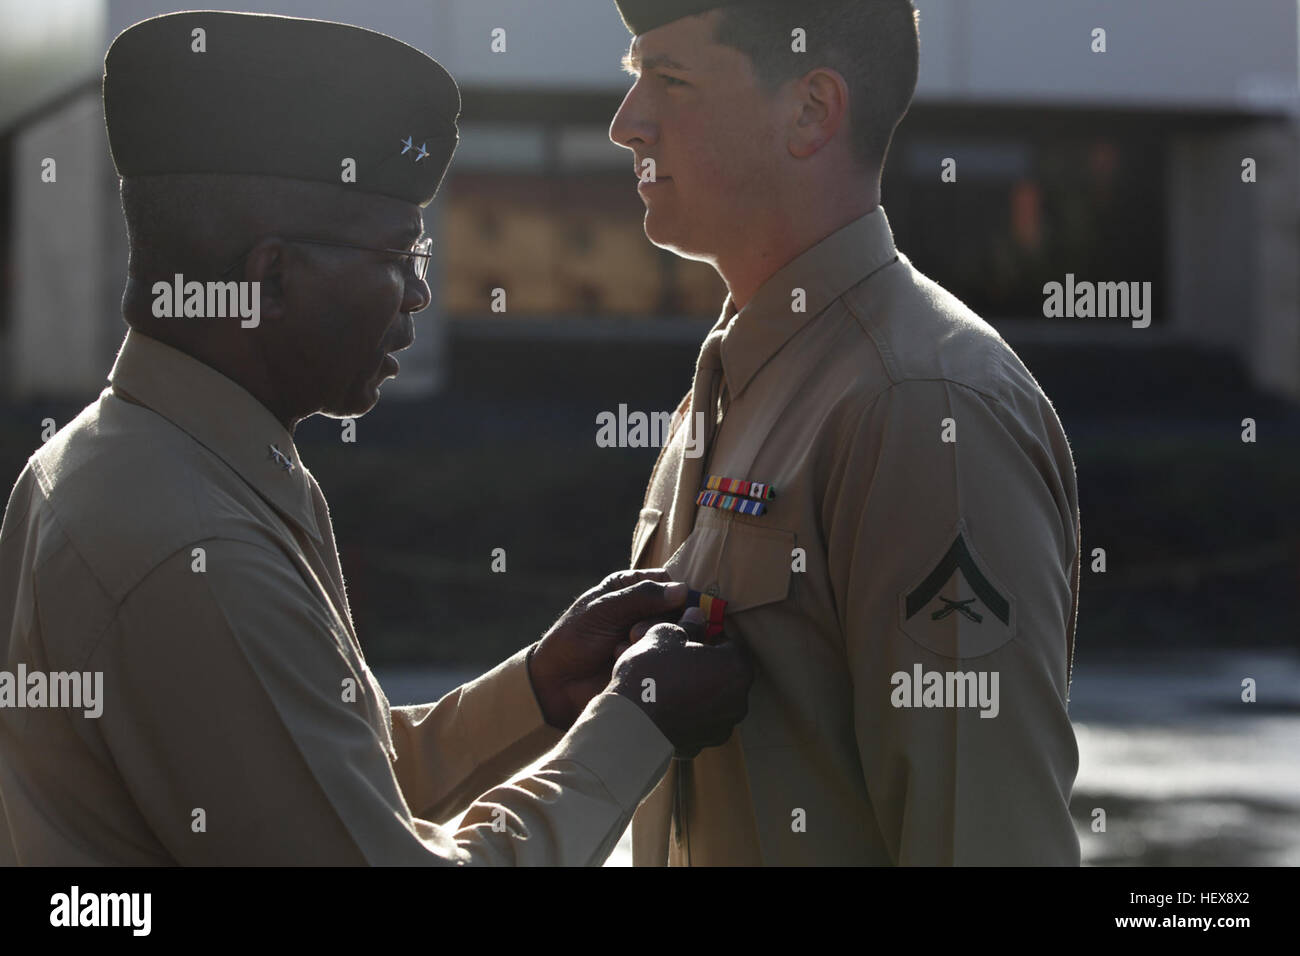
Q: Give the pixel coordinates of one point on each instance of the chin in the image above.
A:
(365, 404)
(676, 244)
(355, 404)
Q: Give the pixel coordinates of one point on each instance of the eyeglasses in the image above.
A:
(418, 255)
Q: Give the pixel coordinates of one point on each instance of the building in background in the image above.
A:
(1117, 166)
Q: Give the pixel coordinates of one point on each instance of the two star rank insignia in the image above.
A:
(279, 457)
(958, 609)
(407, 147)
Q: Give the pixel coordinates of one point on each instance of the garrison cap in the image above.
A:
(279, 96)
(642, 15)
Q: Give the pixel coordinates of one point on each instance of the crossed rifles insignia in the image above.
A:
(962, 607)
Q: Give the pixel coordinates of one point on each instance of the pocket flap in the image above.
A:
(743, 562)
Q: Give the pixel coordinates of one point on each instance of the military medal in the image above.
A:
(714, 609)
(716, 499)
(736, 494)
(738, 486)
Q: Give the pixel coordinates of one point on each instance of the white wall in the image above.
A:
(1240, 55)
(46, 48)
(60, 299)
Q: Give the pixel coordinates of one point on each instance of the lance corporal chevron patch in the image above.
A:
(958, 608)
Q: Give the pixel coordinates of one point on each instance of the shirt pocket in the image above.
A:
(737, 558)
(645, 530)
(747, 563)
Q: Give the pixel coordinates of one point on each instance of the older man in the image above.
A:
(170, 543)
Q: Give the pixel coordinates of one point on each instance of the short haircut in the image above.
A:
(873, 44)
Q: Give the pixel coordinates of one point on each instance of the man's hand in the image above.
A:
(572, 664)
(694, 692)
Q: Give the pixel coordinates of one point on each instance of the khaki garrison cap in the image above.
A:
(212, 92)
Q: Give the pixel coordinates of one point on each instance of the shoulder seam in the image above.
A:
(887, 355)
(190, 544)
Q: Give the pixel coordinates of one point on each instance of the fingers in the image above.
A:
(692, 623)
(624, 579)
(640, 627)
(667, 633)
(645, 600)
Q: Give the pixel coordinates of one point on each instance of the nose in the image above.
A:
(633, 126)
(417, 295)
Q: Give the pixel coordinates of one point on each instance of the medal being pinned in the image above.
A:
(714, 609)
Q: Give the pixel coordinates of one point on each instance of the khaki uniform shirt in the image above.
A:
(887, 554)
(159, 540)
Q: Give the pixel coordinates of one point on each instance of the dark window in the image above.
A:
(1034, 200)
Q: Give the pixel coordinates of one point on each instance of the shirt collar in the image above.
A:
(220, 415)
(825, 272)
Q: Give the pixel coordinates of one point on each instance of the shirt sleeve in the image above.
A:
(476, 736)
(952, 547)
(246, 734)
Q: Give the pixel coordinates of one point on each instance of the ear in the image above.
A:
(267, 264)
(822, 104)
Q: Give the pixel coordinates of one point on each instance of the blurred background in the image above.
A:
(1122, 166)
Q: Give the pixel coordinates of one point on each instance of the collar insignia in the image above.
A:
(280, 458)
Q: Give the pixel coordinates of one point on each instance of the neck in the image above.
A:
(253, 378)
(233, 360)
(784, 237)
